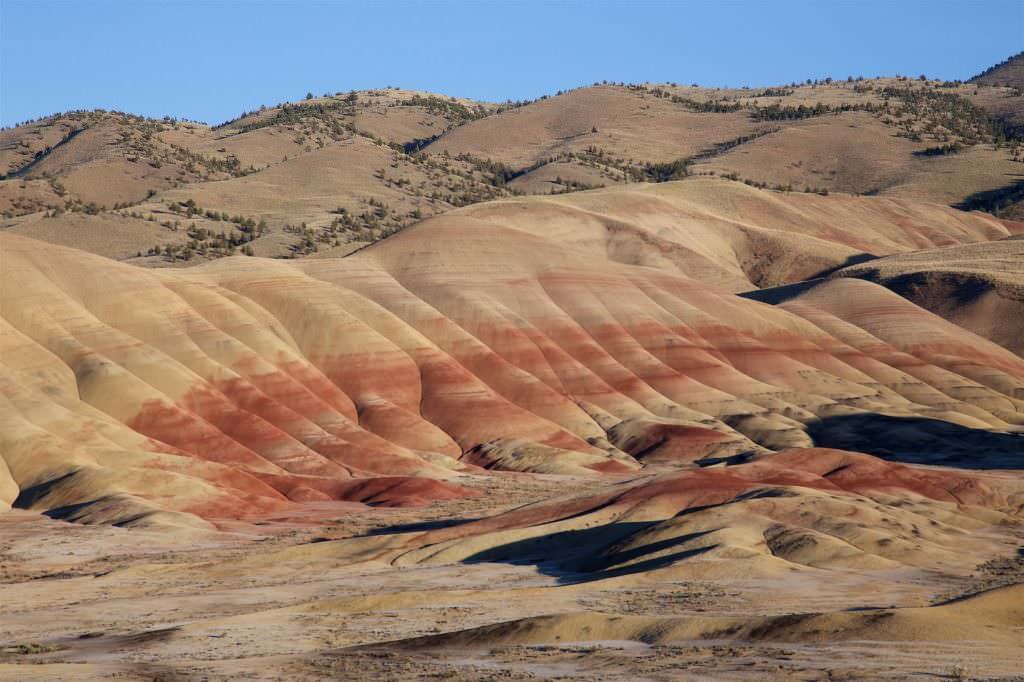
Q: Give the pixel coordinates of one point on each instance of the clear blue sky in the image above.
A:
(211, 60)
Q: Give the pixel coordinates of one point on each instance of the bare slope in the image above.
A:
(328, 172)
(628, 123)
(457, 344)
(979, 287)
(863, 137)
(730, 234)
(725, 233)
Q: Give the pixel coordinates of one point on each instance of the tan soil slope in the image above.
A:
(732, 235)
(724, 233)
(996, 617)
(855, 153)
(809, 564)
(979, 286)
(872, 138)
(628, 123)
(241, 386)
(795, 511)
(103, 158)
(295, 167)
(112, 235)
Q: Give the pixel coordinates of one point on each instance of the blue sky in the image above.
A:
(211, 60)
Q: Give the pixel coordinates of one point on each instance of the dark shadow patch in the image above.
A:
(28, 497)
(855, 259)
(583, 555)
(145, 637)
(781, 294)
(420, 526)
(933, 290)
(604, 564)
(103, 641)
(960, 288)
(784, 292)
(919, 440)
(993, 200)
(730, 460)
(40, 156)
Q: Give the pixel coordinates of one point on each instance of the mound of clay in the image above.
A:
(733, 235)
(797, 510)
(996, 616)
(978, 286)
(469, 342)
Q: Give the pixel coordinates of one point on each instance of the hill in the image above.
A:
(629, 382)
(331, 174)
(516, 347)
(730, 234)
(735, 234)
(979, 286)
(108, 163)
(1008, 73)
(863, 137)
(516, 437)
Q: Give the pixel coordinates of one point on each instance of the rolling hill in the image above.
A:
(979, 287)
(330, 174)
(587, 333)
(1009, 73)
(633, 381)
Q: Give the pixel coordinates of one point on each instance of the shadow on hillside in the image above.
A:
(420, 526)
(781, 293)
(918, 440)
(583, 555)
(784, 292)
(33, 494)
(993, 200)
(856, 259)
(929, 289)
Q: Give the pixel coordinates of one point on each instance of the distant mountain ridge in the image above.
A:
(329, 174)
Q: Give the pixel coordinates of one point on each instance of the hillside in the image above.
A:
(979, 286)
(863, 137)
(519, 424)
(511, 346)
(731, 235)
(1008, 73)
(736, 234)
(331, 174)
(111, 164)
(632, 381)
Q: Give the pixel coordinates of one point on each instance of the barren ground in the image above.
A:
(280, 599)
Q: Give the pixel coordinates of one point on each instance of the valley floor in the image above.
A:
(307, 597)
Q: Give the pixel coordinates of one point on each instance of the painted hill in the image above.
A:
(979, 287)
(732, 235)
(396, 399)
(464, 342)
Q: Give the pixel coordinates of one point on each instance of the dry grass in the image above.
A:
(294, 163)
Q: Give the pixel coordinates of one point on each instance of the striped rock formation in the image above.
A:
(523, 336)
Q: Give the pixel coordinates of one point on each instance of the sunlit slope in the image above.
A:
(732, 235)
(978, 286)
(231, 388)
(796, 512)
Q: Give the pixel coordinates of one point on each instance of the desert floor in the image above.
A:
(292, 599)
